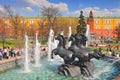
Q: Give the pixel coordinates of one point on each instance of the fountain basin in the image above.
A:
(13, 62)
(10, 63)
(49, 71)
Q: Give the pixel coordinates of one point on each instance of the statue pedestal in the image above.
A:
(69, 70)
(75, 70)
(91, 67)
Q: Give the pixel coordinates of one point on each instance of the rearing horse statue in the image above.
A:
(83, 54)
(61, 51)
(80, 54)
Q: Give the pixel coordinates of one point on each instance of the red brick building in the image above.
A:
(103, 26)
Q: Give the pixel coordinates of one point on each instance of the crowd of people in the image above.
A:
(111, 52)
(7, 52)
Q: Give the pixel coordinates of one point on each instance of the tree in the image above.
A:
(51, 14)
(23, 28)
(2, 28)
(15, 21)
(17, 26)
(117, 33)
(41, 27)
(81, 27)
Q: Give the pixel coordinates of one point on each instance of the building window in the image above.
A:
(7, 23)
(31, 21)
(107, 21)
(97, 27)
(96, 22)
(23, 21)
(118, 22)
(107, 27)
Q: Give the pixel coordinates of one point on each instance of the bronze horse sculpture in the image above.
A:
(61, 51)
(83, 54)
(83, 65)
(69, 56)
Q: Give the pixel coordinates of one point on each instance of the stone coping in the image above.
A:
(17, 58)
(10, 59)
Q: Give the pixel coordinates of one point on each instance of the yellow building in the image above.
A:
(105, 26)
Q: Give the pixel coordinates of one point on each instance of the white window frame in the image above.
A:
(96, 22)
(31, 21)
(107, 22)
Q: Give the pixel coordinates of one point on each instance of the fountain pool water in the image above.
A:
(48, 71)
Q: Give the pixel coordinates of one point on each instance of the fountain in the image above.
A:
(50, 43)
(62, 33)
(49, 71)
(26, 64)
(70, 33)
(37, 52)
(88, 35)
(104, 69)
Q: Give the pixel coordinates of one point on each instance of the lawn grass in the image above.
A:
(20, 43)
(17, 43)
(105, 49)
(8, 42)
(12, 43)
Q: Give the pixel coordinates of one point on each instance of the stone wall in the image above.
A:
(10, 63)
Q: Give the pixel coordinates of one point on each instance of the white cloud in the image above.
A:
(40, 3)
(1, 9)
(29, 9)
(97, 12)
(116, 11)
(62, 7)
(33, 2)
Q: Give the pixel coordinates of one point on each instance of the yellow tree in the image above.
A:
(2, 28)
(14, 20)
(23, 28)
(117, 33)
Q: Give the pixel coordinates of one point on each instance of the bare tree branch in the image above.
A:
(51, 14)
(9, 11)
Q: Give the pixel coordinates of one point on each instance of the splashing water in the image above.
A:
(70, 33)
(26, 64)
(37, 52)
(50, 43)
(88, 35)
(62, 33)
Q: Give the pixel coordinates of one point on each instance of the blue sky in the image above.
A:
(66, 7)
